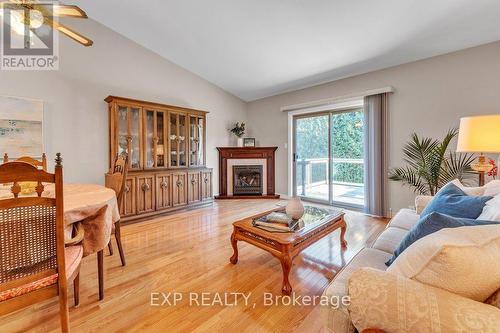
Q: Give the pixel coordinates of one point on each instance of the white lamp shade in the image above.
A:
(479, 134)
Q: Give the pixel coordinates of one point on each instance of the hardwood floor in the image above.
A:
(189, 252)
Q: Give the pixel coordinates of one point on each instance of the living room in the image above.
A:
(182, 135)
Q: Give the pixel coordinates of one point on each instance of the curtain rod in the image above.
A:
(326, 101)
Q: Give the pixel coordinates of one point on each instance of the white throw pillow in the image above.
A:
(463, 260)
(492, 188)
(474, 191)
(491, 211)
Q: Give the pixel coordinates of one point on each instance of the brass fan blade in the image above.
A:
(71, 33)
(60, 10)
(68, 11)
(56, 9)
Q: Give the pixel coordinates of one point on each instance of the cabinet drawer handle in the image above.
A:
(145, 187)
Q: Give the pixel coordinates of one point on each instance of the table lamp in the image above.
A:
(480, 134)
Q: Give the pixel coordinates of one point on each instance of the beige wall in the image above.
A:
(431, 95)
(76, 117)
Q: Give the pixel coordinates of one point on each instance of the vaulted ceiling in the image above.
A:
(259, 48)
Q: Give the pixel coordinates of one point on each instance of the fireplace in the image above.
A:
(249, 157)
(247, 179)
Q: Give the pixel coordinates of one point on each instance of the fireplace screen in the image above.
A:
(247, 179)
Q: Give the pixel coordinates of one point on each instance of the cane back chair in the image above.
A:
(116, 180)
(38, 164)
(34, 263)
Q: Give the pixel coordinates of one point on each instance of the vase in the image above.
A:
(240, 142)
(295, 208)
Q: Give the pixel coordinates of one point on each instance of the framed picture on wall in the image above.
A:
(248, 142)
(21, 127)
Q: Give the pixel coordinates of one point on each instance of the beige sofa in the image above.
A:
(397, 300)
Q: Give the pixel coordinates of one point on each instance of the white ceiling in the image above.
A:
(259, 48)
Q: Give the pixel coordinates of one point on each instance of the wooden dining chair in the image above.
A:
(116, 179)
(34, 263)
(38, 164)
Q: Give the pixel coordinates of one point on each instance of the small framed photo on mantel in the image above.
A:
(248, 142)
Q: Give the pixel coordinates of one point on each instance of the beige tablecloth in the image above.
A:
(94, 206)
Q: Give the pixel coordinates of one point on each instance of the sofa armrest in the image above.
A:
(421, 201)
(394, 303)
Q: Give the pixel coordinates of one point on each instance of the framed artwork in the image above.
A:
(248, 142)
(21, 127)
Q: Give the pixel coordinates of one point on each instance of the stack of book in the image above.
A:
(277, 222)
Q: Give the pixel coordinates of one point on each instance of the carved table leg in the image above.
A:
(343, 229)
(286, 265)
(234, 243)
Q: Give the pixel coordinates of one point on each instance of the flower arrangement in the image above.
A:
(493, 172)
(238, 129)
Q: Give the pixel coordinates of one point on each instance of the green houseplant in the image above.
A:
(431, 165)
(239, 131)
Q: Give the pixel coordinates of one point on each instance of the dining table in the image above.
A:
(90, 206)
(90, 210)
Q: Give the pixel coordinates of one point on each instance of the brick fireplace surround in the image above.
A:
(245, 153)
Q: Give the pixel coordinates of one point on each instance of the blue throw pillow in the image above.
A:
(430, 224)
(451, 200)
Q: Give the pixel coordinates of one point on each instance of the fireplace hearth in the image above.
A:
(247, 179)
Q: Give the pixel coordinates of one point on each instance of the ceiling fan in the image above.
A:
(41, 13)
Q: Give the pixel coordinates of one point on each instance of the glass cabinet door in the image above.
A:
(129, 124)
(196, 137)
(173, 139)
(177, 139)
(154, 138)
(123, 134)
(149, 139)
(182, 140)
(135, 125)
(160, 138)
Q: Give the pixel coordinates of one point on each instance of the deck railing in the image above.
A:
(312, 172)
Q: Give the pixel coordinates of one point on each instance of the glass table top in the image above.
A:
(313, 217)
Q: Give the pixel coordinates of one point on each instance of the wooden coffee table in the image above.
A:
(318, 222)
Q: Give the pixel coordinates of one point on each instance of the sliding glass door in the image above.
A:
(329, 157)
(311, 157)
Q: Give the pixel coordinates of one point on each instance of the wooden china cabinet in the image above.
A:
(167, 156)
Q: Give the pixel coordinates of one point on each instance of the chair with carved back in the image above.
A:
(34, 263)
(116, 180)
(38, 164)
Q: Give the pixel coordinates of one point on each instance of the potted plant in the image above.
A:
(431, 165)
(239, 131)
